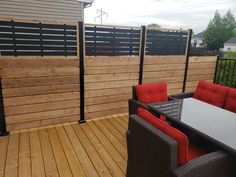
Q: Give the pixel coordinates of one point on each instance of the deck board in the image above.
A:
(94, 149)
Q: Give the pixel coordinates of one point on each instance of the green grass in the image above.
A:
(230, 55)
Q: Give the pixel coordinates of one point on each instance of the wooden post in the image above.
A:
(187, 53)
(142, 53)
(81, 65)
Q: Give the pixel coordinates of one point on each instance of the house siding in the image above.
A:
(231, 47)
(43, 9)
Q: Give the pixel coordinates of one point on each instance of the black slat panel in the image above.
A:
(37, 42)
(111, 41)
(38, 53)
(112, 29)
(165, 42)
(95, 34)
(19, 47)
(23, 38)
(36, 25)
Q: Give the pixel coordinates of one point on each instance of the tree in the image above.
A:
(219, 30)
(229, 25)
(154, 25)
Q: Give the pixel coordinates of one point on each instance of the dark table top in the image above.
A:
(210, 120)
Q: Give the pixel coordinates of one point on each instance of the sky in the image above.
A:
(176, 14)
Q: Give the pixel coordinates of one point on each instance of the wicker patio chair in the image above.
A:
(152, 153)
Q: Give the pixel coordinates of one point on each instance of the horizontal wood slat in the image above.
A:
(40, 91)
(200, 68)
(107, 91)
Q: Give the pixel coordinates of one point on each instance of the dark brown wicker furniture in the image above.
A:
(152, 153)
(217, 124)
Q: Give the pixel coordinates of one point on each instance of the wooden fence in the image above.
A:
(108, 83)
(40, 91)
(165, 68)
(45, 90)
(200, 68)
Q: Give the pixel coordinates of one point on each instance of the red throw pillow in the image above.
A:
(211, 93)
(231, 101)
(151, 93)
(177, 135)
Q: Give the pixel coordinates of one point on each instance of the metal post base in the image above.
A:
(4, 133)
(82, 121)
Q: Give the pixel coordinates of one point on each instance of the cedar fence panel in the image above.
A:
(165, 68)
(200, 68)
(40, 91)
(108, 84)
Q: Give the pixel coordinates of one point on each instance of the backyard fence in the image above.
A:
(225, 73)
(37, 39)
(92, 71)
(47, 39)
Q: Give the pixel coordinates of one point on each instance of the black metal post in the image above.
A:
(216, 69)
(142, 53)
(3, 130)
(81, 65)
(187, 58)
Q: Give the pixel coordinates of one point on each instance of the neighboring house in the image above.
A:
(44, 9)
(230, 45)
(197, 40)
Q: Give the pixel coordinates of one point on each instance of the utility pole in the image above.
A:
(101, 13)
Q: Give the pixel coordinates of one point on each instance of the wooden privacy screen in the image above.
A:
(46, 90)
(37, 39)
(40, 91)
(200, 68)
(165, 68)
(108, 84)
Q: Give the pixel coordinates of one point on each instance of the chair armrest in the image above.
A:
(182, 95)
(215, 164)
(134, 105)
(151, 153)
(171, 98)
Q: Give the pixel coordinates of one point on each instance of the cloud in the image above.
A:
(167, 13)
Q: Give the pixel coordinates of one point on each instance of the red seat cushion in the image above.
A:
(163, 118)
(211, 93)
(151, 93)
(194, 152)
(177, 135)
(231, 100)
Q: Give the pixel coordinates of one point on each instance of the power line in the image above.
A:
(184, 9)
(101, 14)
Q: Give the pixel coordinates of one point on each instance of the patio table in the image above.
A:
(215, 124)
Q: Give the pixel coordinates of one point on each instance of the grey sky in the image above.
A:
(168, 13)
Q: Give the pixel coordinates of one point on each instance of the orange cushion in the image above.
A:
(230, 104)
(151, 93)
(177, 135)
(211, 93)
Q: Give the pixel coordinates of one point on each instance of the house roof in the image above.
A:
(199, 35)
(232, 40)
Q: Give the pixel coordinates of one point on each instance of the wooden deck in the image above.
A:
(97, 148)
